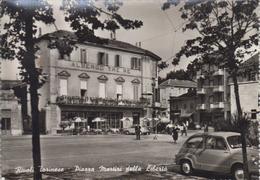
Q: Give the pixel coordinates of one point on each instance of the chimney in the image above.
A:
(113, 35)
(139, 44)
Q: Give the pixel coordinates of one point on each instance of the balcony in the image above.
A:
(219, 72)
(201, 91)
(217, 105)
(219, 88)
(76, 100)
(201, 106)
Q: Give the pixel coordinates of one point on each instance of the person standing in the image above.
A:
(175, 130)
(185, 127)
(138, 131)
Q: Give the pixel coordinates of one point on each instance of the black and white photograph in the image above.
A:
(129, 89)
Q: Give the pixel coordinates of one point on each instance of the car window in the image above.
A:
(195, 142)
(216, 143)
(235, 142)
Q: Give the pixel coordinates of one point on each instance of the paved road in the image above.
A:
(93, 151)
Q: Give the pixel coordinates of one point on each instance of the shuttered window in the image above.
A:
(135, 92)
(63, 87)
(102, 90)
(103, 59)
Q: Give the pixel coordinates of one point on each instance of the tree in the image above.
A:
(227, 31)
(18, 41)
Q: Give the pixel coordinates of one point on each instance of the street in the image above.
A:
(103, 153)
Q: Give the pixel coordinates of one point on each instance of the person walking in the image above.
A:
(185, 127)
(175, 130)
(138, 131)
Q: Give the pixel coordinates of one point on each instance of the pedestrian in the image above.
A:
(184, 124)
(181, 127)
(175, 130)
(138, 131)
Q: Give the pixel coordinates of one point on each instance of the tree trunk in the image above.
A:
(243, 130)
(29, 63)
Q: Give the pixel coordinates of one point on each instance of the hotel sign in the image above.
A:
(92, 66)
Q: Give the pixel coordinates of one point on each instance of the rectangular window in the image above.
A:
(6, 124)
(63, 87)
(253, 114)
(83, 55)
(119, 91)
(135, 63)
(103, 59)
(102, 90)
(135, 93)
(83, 88)
(117, 60)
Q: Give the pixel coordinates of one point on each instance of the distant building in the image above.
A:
(10, 109)
(106, 81)
(183, 107)
(215, 91)
(173, 88)
(248, 82)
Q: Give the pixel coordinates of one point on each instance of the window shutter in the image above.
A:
(120, 61)
(63, 87)
(83, 84)
(102, 90)
(99, 58)
(132, 63)
(139, 63)
(106, 60)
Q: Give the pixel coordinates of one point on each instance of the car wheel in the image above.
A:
(238, 172)
(186, 167)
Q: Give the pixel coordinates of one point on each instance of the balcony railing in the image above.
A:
(217, 105)
(219, 72)
(201, 91)
(219, 88)
(201, 106)
(76, 100)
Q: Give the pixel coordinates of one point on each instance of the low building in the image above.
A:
(11, 117)
(95, 82)
(183, 108)
(173, 88)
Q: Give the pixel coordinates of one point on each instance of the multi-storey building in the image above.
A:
(173, 88)
(96, 80)
(213, 93)
(216, 98)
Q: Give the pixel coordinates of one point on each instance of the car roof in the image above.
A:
(222, 134)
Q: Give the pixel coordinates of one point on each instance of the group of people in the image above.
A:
(182, 127)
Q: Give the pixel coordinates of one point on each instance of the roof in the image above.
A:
(250, 64)
(108, 43)
(220, 133)
(178, 83)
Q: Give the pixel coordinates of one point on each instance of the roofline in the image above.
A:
(141, 52)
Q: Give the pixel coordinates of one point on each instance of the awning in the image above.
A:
(78, 119)
(186, 115)
(98, 119)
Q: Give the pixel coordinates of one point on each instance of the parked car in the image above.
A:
(145, 131)
(129, 131)
(219, 152)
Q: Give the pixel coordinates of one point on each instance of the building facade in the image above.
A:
(11, 117)
(215, 91)
(173, 88)
(183, 108)
(96, 81)
(248, 85)
(213, 94)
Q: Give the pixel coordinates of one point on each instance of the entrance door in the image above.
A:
(6, 126)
